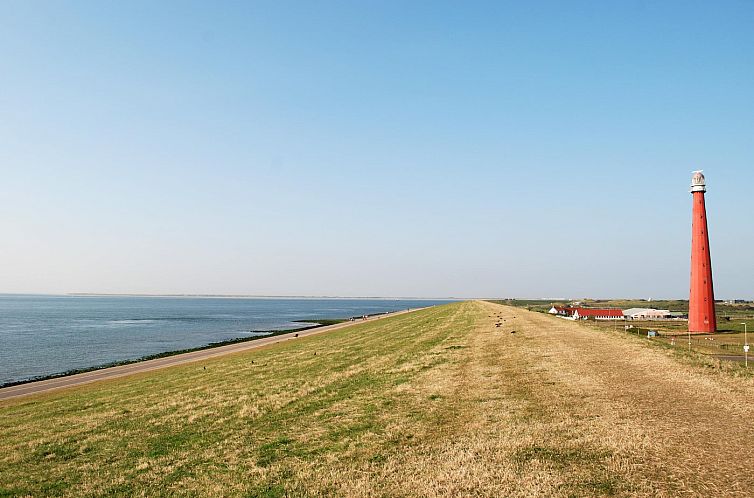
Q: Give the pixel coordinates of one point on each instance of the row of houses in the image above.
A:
(581, 313)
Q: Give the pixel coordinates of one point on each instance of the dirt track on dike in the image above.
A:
(692, 429)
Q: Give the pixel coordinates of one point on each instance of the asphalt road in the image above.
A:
(169, 361)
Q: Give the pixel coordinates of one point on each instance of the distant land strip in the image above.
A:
(258, 296)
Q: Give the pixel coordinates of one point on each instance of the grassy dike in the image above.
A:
(439, 402)
(267, 333)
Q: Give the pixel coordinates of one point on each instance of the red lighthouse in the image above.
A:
(702, 318)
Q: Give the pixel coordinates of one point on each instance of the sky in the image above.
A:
(432, 149)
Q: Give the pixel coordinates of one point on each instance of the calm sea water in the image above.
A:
(44, 335)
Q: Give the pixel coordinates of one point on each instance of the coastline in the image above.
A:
(261, 334)
(172, 358)
(165, 354)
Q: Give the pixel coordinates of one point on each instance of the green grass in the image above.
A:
(558, 456)
(152, 433)
(165, 354)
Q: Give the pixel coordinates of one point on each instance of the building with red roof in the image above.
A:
(581, 313)
(597, 314)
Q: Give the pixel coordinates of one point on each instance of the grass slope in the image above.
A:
(440, 402)
(266, 333)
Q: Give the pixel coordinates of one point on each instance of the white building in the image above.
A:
(646, 314)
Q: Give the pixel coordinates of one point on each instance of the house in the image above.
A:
(597, 314)
(560, 311)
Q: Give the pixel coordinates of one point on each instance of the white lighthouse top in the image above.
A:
(697, 182)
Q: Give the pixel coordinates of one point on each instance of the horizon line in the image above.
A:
(325, 296)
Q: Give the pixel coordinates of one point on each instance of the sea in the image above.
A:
(48, 335)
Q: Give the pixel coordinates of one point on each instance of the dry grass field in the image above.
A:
(440, 402)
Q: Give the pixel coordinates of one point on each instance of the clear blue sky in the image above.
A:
(374, 148)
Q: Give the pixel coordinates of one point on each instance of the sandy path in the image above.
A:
(149, 365)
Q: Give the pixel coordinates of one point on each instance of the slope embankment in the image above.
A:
(441, 402)
(108, 373)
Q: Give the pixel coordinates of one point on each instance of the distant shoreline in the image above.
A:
(175, 358)
(233, 296)
(96, 333)
(261, 334)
